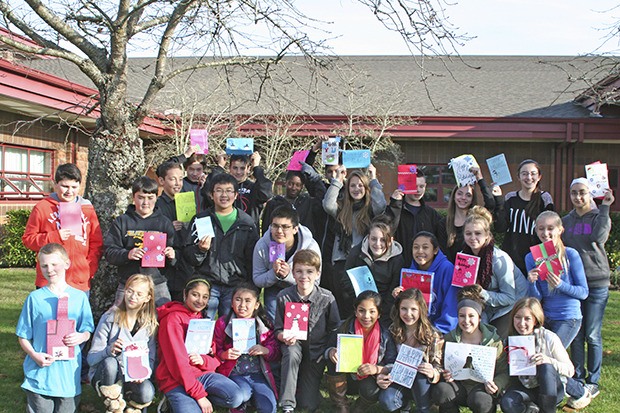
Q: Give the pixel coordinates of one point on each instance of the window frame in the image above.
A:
(34, 179)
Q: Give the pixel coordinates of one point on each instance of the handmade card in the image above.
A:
(422, 280)
(70, 214)
(199, 137)
(465, 269)
(546, 260)
(406, 366)
(598, 180)
(294, 163)
(362, 279)
(277, 251)
(296, 320)
(244, 333)
(470, 362)
(461, 166)
(204, 227)
(358, 158)
(199, 336)
(185, 205)
(330, 150)
(520, 351)
(408, 179)
(136, 361)
(349, 347)
(498, 168)
(239, 146)
(57, 330)
(154, 245)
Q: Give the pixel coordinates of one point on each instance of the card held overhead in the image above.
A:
(356, 158)
(239, 146)
(330, 150)
(408, 179)
(598, 180)
(461, 166)
(299, 156)
(199, 137)
(498, 167)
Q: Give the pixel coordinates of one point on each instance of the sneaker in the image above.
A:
(164, 406)
(581, 402)
(593, 388)
(287, 410)
(531, 408)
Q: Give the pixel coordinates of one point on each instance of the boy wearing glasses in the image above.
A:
(225, 259)
(275, 273)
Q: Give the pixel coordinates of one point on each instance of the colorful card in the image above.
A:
(136, 361)
(362, 279)
(349, 348)
(296, 320)
(154, 245)
(244, 333)
(598, 180)
(199, 336)
(465, 269)
(185, 205)
(204, 227)
(199, 137)
(70, 214)
(422, 280)
(461, 166)
(408, 179)
(330, 150)
(277, 251)
(406, 366)
(357, 158)
(498, 168)
(546, 260)
(470, 362)
(520, 351)
(299, 156)
(239, 146)
(57, 330)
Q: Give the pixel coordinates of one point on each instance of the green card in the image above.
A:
(185, 203)
(349, 352)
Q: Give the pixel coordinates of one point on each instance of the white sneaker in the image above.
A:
(581, 402)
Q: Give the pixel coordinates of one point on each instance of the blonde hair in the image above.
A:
(345, 210)
(480, 215)
(450, 228)
(53, 248)
(147, 317)
(531, 304)
(559, 245)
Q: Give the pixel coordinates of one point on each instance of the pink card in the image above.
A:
(422, 280)
(407, 179)
(277, 251)
(200, 137)
(298, 156)
(296, 317)
(58, 329)
(546, 259)
(465, 270)
(154, 245)
(70, 214)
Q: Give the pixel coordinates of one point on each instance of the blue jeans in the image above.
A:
(546, 396)
(593, 310)
(565, 329)
(220, 301)
(256, 389)
(398, 397)
(269, 297)
(109, 372)
(221, 392)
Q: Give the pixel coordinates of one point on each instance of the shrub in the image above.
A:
(13, 253)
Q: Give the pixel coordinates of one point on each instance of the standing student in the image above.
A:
(195, 166)
(560, 294)
(43, 227)
(515, 215)
(53, 385)
(134, 320)
(587, 229)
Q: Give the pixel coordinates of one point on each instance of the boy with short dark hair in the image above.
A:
(52, 384)
(303, 362)
(43, 227)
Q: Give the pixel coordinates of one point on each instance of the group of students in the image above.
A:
(338, 224)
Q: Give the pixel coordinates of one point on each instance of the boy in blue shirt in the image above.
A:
(53, 385)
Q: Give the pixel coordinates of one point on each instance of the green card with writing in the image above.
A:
(185, 203)
(349, 352)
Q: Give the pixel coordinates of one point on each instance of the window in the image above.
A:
(25, 173)
(440, 182)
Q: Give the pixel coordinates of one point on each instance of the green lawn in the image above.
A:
(15, 284)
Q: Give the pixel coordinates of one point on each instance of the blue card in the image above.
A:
(498, 167)
(358, 158)
(239, 146)
(362, 279)
(244, 334)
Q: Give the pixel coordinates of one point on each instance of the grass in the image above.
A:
(15, 284)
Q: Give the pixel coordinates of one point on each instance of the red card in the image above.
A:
(154, 245)
(298, 156)
(70, 214)
(465, 270)
(296, 317)
(407, 179)
(546, 260)
(58, 329)
(422, 280)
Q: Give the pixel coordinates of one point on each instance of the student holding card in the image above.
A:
(554, 369)
(560, 294)
(124, 242)
(377, 348)
(251, 371)
(449, 394)
(46, 224)
(501, 281)
(587, 229)
(412, 327)
(428, 257)
(134, 320)
(189, 381)
(195, 166)
(515, 214)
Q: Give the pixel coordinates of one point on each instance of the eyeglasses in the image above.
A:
(284, 228)
(579, 193)
(525, 174)
(224, 191)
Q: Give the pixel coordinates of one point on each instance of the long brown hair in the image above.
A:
(531, 304)
(450, 227)
(345, 210)
(423, 329)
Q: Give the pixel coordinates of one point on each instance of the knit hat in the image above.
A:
(466, 302)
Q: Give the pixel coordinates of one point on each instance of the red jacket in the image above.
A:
(42, 228)
(174, 368)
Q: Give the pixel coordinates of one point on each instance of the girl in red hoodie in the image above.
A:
(250, 371)
(189, 381)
